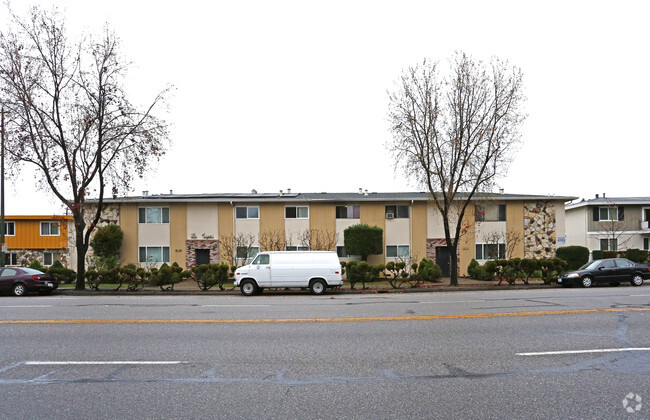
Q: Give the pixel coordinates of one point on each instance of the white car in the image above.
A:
(316, 270)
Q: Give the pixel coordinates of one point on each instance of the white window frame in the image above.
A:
(13, 259)
(49, 229)
(610, 242)
(296, 248)
(146, 253)
(144, 220)
(297, 212)
(248, 212)
(51, 256)
(396, 213)
(251, 252)
(609, 209)
(13, 224)
(484, 252)
(399, 251)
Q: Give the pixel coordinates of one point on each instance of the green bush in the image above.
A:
(62, 274)
(574, 256)
(529, 267)
(92, 279)
(210, 275)
(550, 268)
(36, 265)
(363, 240)
(598, 254)
(633, 255)
(107, 244)
(397, 273)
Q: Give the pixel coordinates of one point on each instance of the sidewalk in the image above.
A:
(189, 287)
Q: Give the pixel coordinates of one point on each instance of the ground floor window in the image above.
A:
(154, 254)
(296, 248)
(646, 244)
(11, 258)
(490, 251)
(246, 252)
(395, 251)
(608, 244)
(48, 258)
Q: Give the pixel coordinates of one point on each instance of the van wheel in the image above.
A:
(317, 287)
(248, 288)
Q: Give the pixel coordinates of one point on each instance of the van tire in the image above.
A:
(248, 288)
(318, 287)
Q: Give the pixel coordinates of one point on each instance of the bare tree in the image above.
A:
(273, 240)
(612, 223)
(509, 238)
(236, 249)
(454, 135)
(318, 240)
(71, 118)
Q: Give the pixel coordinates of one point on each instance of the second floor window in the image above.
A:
(292, 212)
(10, 228)
(397, 212)
(608, 214)
(490, 213)
(153, 215)
(251, 212)
(50, 229)
(348, 212)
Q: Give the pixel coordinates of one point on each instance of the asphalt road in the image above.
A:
(556, 353)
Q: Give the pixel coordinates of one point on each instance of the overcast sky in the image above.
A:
(272, 95)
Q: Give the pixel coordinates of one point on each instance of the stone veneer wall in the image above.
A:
(540, 237)
(193, 244)
(431, 251)
(24, 257)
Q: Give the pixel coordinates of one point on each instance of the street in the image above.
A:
(546, 353)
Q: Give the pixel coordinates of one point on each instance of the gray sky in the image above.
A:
(274, 94)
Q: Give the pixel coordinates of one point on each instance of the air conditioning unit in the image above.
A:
(390, 215)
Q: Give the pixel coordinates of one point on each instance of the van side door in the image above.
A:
(261, 270)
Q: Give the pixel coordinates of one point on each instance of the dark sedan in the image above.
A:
(611, 270)
(21, 280)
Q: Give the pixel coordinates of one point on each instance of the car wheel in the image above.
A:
(248, 288)
(19, 289)
(637, 280)
(317, 287)
(586, 281)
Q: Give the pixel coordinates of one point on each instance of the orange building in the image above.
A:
(42, 238)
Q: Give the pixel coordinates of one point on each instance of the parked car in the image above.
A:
(609, 270)
(21, 280)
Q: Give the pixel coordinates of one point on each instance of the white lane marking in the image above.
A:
(551, 353)
(26, 306)
(108, 362)
(453, 301)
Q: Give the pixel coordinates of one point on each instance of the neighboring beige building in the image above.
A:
(609, 224)
(198, 228)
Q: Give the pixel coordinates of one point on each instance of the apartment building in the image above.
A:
(609, 223)
(42, 238)
(201, 228)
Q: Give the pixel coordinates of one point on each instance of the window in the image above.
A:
(608, 214)
(608, 244)
(490, 251)
(154, 215)
(262, 259)
(49, 228)
(296, 212)
(252, 212)
(48, 258)
(296, 248)
(398, 212)
(395, 251)
(490, 213)
(11, 258)
(245, 252)
(340, 251)
(10, 228)
(646, 244)
(154, 254)
(348, 212)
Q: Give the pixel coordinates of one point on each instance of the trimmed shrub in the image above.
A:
(598, 254)
(633, 255)
(36, 265)
(210, 275)
(62, 274)
(363, 240)
(574, 256)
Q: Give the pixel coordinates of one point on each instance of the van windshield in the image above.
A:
(261, 259)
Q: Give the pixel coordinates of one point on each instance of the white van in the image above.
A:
(317, 270)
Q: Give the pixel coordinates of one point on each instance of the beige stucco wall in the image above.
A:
(575, 222)
(398, 232)
(341, 225)
(202, 220)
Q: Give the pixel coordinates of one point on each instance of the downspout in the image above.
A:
(411, 229)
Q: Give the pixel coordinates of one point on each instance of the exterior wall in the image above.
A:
(202, 221)
(193, 244)
(28, 244)
(225, 220)
(515, 229)
(129, 224)
(419, 231)
(576, 226)
(272, 224)
(178, 233)
(539, 229)
(374, 214)
(467, 245)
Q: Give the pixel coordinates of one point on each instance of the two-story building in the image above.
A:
(42, 238)
(200, 228)
(609, 223)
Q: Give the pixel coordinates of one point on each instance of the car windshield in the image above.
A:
(591, 265)
(31, 271)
